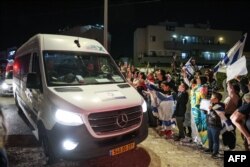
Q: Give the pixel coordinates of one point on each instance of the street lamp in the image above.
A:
(105, 35)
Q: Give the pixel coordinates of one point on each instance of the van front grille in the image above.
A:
(105, 122)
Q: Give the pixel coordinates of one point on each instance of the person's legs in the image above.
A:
(210, 140)
(216, 140)
(179, 121)
(194, 121)
(187, 121)
(3, 158)
(247, 147)
(189, 133)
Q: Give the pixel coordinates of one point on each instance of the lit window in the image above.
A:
(183, 55)
(207, 55)
(222, 55)
(220, 39)
(153, 38)
(174, 36)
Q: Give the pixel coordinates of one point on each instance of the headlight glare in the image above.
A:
(5, 85)
(69, 145)
(68, 118)
(144, 106)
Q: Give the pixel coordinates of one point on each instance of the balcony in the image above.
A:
(170, 45)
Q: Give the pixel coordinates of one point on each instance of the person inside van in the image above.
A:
(54, 76)
(91, 69)
(51, 72)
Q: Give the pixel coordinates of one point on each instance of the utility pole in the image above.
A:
(105, 36)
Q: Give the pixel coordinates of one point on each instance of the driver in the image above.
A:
(54, 76)
(51, 72)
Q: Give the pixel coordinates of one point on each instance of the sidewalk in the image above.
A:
(169, 153)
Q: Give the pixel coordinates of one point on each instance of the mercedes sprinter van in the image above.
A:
(77, 101)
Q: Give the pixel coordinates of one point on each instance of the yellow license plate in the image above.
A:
(122, 149)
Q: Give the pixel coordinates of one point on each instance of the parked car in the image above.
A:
(6, 87)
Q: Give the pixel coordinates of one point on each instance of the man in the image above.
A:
(241, 119)
(180, 110)
(51, 72)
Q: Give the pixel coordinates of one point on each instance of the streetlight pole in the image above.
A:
(105, 37)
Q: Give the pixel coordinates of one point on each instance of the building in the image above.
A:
(89, 31)
(156, 44)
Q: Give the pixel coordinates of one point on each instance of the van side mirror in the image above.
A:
(32, 81)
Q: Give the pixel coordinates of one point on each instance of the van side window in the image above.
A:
(35, 67)
(25, 63)
(35, 64)
(21, 66)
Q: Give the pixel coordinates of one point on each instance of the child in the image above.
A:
(214, 124)
(180, 110)
(165, 108)
(163, 102)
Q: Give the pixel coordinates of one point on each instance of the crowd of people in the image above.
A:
(178, 102)
(175, 97)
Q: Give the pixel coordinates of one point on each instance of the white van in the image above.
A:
(76, 99)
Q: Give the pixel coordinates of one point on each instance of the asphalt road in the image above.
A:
(156, 151)
(15, 124)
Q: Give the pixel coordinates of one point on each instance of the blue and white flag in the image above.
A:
(232, 55)
(238, 68)
(189, 68)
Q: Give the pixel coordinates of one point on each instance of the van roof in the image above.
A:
(63, 43)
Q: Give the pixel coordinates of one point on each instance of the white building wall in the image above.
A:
(230, 37)
(143, 40)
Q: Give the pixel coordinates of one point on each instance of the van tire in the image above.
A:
(46, 146)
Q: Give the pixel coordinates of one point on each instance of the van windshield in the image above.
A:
(74, 68)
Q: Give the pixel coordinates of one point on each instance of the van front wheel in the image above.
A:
(50, 158)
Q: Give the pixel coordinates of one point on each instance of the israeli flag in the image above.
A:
(232, 55)
(189, 68)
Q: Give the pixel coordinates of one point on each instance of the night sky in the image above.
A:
(22, 19)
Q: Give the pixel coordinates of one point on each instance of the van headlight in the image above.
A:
(144, 106)
(4, 86)
(68, 118)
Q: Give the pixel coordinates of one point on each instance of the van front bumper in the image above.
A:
(88, 146)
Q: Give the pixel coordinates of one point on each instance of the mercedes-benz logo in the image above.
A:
(122, 120)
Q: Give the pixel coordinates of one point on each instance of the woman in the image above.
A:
(241, 120)
(199, 125)
(232, 102)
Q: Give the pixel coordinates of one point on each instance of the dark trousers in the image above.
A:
(229, 137)
(213, 139)
(3, 158)
(179, 121)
